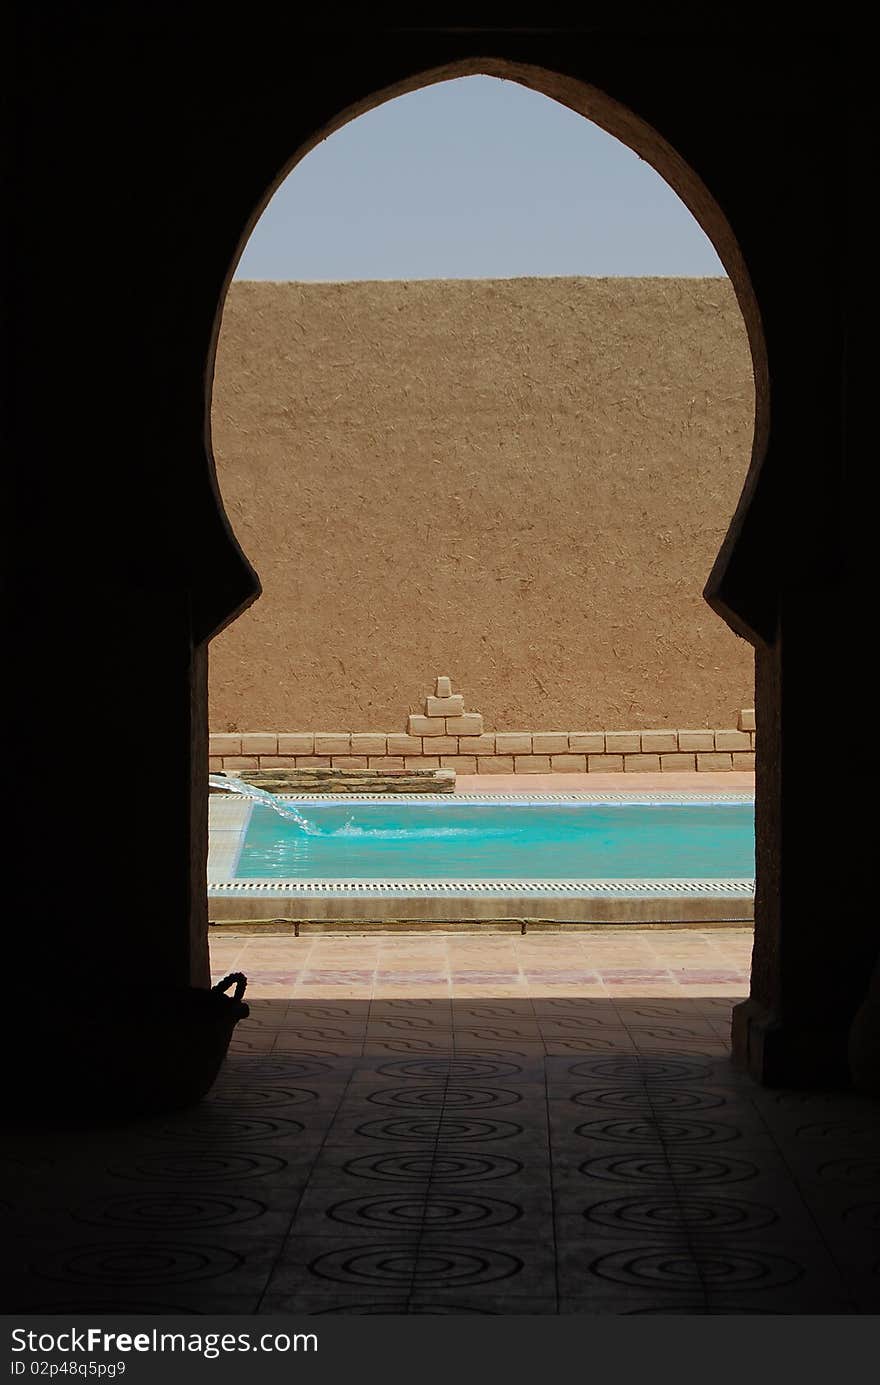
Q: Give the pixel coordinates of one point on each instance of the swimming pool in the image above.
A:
(583, 854)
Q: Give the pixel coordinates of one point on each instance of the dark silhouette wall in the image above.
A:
(147, 140)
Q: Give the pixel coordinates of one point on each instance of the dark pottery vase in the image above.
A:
(135, 1052)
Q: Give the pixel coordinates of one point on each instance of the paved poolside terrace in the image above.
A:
(706, 781)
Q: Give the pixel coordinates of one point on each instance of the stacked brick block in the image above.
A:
(451, 737)
(446, 736)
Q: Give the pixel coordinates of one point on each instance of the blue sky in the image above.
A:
(474, 178)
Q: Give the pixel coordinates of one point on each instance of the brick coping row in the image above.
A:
(502, 752)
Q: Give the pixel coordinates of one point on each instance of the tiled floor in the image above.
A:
(462, 1124)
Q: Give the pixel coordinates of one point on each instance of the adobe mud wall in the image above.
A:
(523, 482)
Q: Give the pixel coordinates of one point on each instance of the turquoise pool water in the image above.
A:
(457, 841)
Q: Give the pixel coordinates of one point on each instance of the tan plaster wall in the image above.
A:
(522, 483)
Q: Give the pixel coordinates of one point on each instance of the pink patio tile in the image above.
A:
(694, 781)
(354, 962)
(410, 978)
(480, 992)
(475, 973)
(560, 977)
(558, 961)
(336, 978)
(644, 990)
(269, 991)
(487, 985)
(411, 964)
(422, 991)
(272, 978)
(273, 957)
(613, 974)
(337, 993)
(570, 993)
(483, 955)
(369, 953)
(693, 977)
(616, 962)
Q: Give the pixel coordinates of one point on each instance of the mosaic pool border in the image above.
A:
(622, 796)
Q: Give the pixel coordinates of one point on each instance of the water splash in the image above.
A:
(426, 833)
(351, 829)
(284, 810)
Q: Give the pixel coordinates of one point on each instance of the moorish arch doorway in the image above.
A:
(740, 587)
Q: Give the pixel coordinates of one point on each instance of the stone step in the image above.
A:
(321, 780)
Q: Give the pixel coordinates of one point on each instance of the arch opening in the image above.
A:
(443, 486)
(732, 593)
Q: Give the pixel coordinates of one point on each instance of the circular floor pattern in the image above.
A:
(104, 1305)
(450, 1069)
(812, 1099)
(494, 1031)
(322, 1033)
(409, 1045)
(364, 1310)
(854, 1171)
(142, 1262)
(417, 1166)
(498, 1012)
(266, 1069)
(654, 1012)
(574, 1002)
(845, 1131)
(501, 1055)
(694, 1215)
(405, 1212)
(243, 1097)
(400, 1309)
(578, 1022)
(866, 1214)
(638, 1069)
(415, 1267)
(661, 1099)
(434, 1128)
(666, 1031)
(694, 1310)
(321, 1012)
(200, 1166)
(172, 1210)
(31, 1163)
(445, 1098)
(410, 1004)
(409, 1022)
(495, 1055)
(696, 1269)
(666, 1131)
(658, 1167)
(219, 1128)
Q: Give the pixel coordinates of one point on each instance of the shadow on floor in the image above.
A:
(446, 1156)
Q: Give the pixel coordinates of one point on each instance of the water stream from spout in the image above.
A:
(284, 810)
